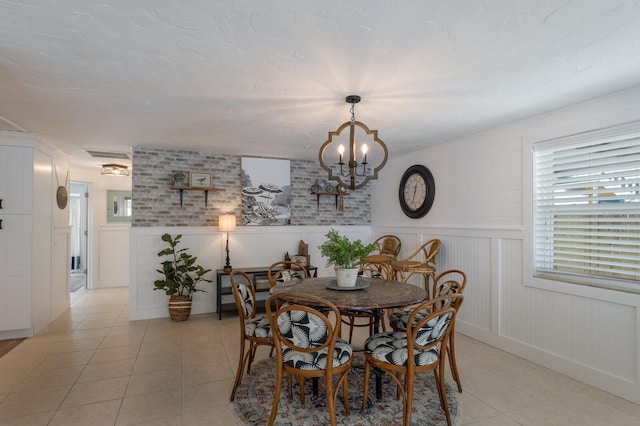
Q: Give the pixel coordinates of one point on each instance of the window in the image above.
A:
(587, 208)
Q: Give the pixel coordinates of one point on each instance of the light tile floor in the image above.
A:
(92, 366)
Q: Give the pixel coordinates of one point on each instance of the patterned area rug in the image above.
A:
(255, 395)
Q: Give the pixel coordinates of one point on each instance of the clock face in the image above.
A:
(417, 191)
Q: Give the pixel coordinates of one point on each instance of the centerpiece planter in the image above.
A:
(346, 277)
(181, 274)
(344, 255)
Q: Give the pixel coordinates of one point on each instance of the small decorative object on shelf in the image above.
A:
(178, 178)
(200, 180)
(318, 187)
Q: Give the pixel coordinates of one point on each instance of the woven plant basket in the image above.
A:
(179, 308)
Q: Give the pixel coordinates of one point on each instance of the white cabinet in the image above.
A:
(25, 236)
(15, 272)
(16, 180)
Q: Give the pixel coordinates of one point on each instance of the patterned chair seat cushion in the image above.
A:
(258, 327)
(399, 319)
(391, 347)
(317, 360)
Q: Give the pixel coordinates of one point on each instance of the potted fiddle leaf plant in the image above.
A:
(181, 276)
(344, 254)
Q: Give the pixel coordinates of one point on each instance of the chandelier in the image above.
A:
(357, 172)
(115, 170)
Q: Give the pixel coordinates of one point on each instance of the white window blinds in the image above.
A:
(587, 207)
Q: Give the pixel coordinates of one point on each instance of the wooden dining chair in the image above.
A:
(452, 281)
(418, 349)
(423, 262)
(389, 247)
(372, 269)
(307, 344)
(254, 330)
(286, 270)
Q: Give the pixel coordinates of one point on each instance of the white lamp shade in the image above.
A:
(227, 223)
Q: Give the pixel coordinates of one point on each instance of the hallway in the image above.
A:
(92, 366)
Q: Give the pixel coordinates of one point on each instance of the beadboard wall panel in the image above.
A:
(113, 256)
(531, 313)
(249, 246)
(592, 337)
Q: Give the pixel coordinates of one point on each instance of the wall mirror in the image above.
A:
(119, 206)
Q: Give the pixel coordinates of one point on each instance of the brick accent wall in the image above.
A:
(155, 204)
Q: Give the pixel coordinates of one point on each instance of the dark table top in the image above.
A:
(380, 294)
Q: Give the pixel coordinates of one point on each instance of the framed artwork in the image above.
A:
(301, 259)
(119, 206)
(200, 180)
(266, 191)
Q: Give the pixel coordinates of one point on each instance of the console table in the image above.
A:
(224, 296)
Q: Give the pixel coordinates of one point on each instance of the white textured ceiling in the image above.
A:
(269, 78)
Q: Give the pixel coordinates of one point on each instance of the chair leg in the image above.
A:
(442, 393)
(252, 354)
(239, 371)
(331, 401)
(276, 396)
(345, 393)
(352, 322)
(452, 361)
(365, 394)
(302, 394)
(408, 398)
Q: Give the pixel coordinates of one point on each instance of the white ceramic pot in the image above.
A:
(346, 277)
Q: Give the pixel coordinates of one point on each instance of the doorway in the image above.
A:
(78, 220)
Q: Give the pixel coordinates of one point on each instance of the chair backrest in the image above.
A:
(431, 251)
(301, 322)
(286, 270)
(244, 294)
(434, 327)
(389, 245)
(375, 269)
(452, 281)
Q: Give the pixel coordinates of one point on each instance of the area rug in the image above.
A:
(254, 398)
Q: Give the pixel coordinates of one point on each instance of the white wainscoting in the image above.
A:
(590, 334)
(113, 256)
(249, 246)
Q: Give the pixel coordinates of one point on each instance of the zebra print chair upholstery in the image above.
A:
(418, 349)
(307, 343)
(253, 329)
(452, 281)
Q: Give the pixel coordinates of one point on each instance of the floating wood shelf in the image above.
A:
(193, 188)
(334, 193)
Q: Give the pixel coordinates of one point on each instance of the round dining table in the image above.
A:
(370, 295)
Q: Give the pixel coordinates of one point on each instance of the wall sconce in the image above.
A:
(115, 170)
(355, 171)
(227, 223)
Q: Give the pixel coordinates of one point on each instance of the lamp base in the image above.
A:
(227, 269)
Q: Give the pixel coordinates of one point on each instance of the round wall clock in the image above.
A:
(417, 191)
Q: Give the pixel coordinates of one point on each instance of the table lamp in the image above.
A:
(227, 223)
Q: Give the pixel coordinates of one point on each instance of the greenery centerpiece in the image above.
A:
(343, 254)
(181, 276)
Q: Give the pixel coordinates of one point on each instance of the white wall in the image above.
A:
(482, 213)
(249, 246)
(108, 261)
